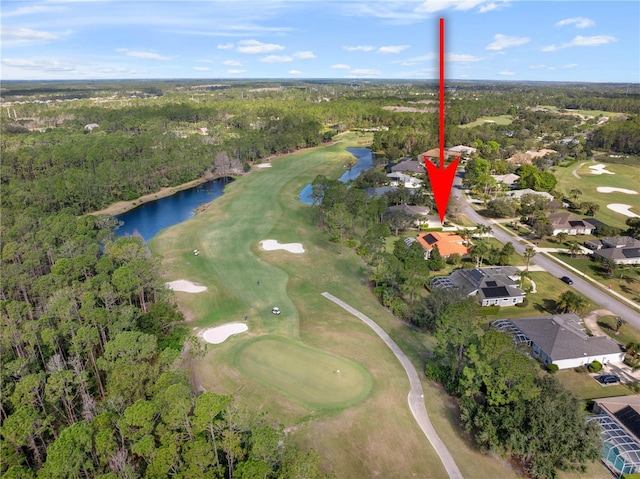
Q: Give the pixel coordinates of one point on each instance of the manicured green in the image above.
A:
(626, 177)
(500, 120)
(314, 377)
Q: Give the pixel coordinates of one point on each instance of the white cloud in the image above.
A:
(431, 6)
(488, 7)
(254, 46)
(340, 66)
(306, 55)
(579, 22)
(142, 54)
(225, 46)
(236, 72)
(30, 10)
(202, 69)
(503, 41)
(295, 72)
(276, 59)
(232, 63)
(569, 65)
(393, 48)
(461, 57)
(21, 36)
(40, 64)
(360, 48)
(506, 73)
(364, 72)
(581, 41)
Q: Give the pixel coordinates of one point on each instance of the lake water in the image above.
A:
(150, 218)
(365, 161)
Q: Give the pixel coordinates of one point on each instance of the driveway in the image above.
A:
(416, 395)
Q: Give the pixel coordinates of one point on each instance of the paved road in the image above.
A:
(416, 396)
(592, 292)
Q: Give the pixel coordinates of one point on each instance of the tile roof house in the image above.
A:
(462, 150)
(493, 286)
(570, 224)
(511, 180)
(619, 420)
(560, 339)
(447, 243)
(517, 194)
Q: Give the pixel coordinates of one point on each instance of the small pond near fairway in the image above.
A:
(365, 161)
(150, 218)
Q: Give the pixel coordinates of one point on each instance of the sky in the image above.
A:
(576, 41)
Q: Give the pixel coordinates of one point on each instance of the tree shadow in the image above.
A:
(546, 306)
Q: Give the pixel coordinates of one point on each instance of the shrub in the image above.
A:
(552, 368)
(426, 228)
(525, 303)
(595, 366)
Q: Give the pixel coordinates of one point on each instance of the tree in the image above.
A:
(590, 208)
(562, 236)
(501, 208)
(529, 253)
(399, 221)
(571, 302)
(634, 227)
(574, 248)
(542, 227)
(339, 222)
(478, 251)
(575, 194)
(436, 261)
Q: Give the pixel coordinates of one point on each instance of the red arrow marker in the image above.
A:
(442, 178)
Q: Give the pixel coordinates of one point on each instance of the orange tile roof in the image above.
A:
(448, 243)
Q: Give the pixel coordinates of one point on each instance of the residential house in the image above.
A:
(560, 339)
(510, 180)
(409, 166)
(619, 420)
(570, 224)
(620, 249)
(493, 285)
(447, 243)
(398, 179)
(517, 194)
(421, 213)
(462, 150)
(434, 153)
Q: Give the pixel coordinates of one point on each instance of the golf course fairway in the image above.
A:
(286, 365)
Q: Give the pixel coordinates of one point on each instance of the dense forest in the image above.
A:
(95, 374)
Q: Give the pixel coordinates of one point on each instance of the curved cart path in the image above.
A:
(416, 396)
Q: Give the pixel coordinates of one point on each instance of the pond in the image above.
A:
(365, 161)
(150, 218)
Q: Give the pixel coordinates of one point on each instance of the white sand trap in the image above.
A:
(264, 165)
(270, 245)
(219, 334)
(610, 189)
(185, 286)
(622, 209)
(600, 169)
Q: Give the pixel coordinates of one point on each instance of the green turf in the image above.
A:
(627, 177)
(314, 377)
(354, 441)
(499, 120)
(585, 387)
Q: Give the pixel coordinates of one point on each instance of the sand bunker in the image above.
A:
(185, 286)
(622, 209)
(610, 189)
(264, 165)
(270, 245)
(219, 334)
(600, 169)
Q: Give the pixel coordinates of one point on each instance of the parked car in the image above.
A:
(275, 310)
(566, 279)
(608, 379)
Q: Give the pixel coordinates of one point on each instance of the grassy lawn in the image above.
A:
(500, 120)
(626, 177)
(595, 113)
(625, 281)
(625, 333)
(585, 387)
(353, 434)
